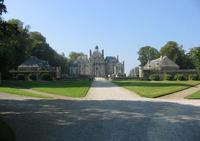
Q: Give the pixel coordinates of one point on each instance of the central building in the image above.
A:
(97, 65)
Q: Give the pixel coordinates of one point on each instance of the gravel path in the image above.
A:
(106, 120)
(105, 90)
(182, 94)
(14, 97)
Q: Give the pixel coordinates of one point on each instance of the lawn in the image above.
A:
(153, 89)
(194, 96)
(16, 91)
(72, 88)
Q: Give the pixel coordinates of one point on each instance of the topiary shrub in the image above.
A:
(20, 77)
(154, 77)
(179, 77)
(46, 77)
(167, 76)
(192, 77)
(33, 77)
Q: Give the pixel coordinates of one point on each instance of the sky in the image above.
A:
(120, 27)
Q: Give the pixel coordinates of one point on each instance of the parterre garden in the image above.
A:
(153, 89)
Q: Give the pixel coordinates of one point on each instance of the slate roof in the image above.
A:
(35, 62)
(111, 59)
(162, 62)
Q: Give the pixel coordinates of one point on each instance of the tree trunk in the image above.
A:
(0, 78)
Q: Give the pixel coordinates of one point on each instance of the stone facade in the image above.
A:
(134, 72)
(97, 65)
(37, 67)
(160, 65)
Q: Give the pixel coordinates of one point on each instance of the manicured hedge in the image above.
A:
(179, 77)
(167, 77)
(33, 77)
(154, 77)
(192, 77)
(20, 77)
(46, 77)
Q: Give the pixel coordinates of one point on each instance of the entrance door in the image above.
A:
(97, 72)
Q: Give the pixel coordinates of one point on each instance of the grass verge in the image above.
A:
(153, 89)
(16, 91)
(194, 96)
(72, 88)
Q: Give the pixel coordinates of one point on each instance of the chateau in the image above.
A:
(97, 65)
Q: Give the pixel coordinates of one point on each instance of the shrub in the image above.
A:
(192, 77)
(154, 77)
(179, 77)
(20, 77)
(167, 76)
(33, 77)
(46, 77)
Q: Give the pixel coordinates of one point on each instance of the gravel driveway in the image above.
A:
(61, 120)
(105, 90)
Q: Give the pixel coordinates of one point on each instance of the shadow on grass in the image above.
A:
(60, 120)
(152, 84)
(48, 84)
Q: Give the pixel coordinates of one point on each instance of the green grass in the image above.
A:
(194, 96)
(16, 91)
(153, 89)
(72, 88)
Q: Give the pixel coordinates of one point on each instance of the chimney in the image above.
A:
(103, 52)
(117, 58)
(90, 52)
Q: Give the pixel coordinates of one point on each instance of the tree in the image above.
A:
(74, 55)
(194, 55)
(176, 53)
(41, 49)
(171, 50)
(185, 62)
(2, 7)
(147, 53)
(14, 41)
(20, 42)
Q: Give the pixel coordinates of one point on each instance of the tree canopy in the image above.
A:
(194, 55)
(147, 53)
(177, 54)
(2, 7)
(171, 50)
(17, 46)
(74, 55)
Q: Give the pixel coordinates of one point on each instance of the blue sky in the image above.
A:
(120, 27)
